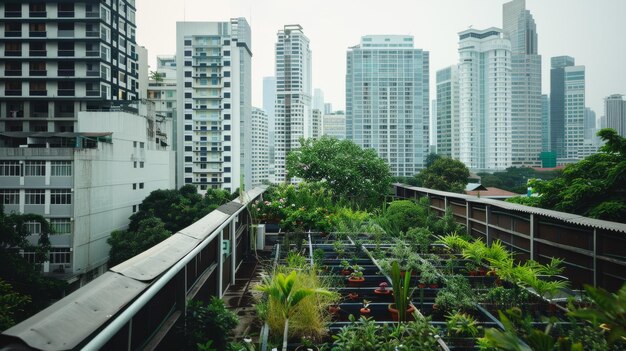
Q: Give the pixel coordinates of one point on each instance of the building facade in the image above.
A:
(387, 100)
(260, 147)
(214, 105)
(574, 113)
(334, 125)
(293, 95)
(590, 125)
(316, 123)
(545, 123)
(87, 183)
(269, 102)
(162, 92)
(615, 113)
(519, 26)
(557, 103)
(485, 100)
(447, 112)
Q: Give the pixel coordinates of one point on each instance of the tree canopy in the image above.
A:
(349, 171)
(444, 174)
(515, 179)
(593, 187)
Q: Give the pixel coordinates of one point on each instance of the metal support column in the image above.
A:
(220, 264)
(233, 252)
(595, 257)
(532, 236)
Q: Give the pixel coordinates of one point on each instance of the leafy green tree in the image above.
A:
(445, 174)
(515, 179)
(593, 187)
(126, 244)
(11, 303)
(431, 158)
(208, 324)
(353, 173)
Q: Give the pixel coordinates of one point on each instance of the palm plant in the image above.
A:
(454, 242)
(401, 293)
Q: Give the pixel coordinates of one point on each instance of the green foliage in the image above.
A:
(461, 325)
(318, 257)
(593, 187)
(420, 238)
(524, 200)
(431, 158)
(11, 303)
(401, 292)
(349, 171)
(445, 174)
(608, 312)
(514, 179)
(125, 244)
(446, 224)
(506, 297)
(456, 294)
(405, 214)
(454, 242)
(207, 326)
(366, 335)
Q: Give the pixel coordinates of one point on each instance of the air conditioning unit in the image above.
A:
(257, 242)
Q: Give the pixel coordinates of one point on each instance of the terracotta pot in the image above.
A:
(334, 309)
(434, 286)
(365, 310)
(345, 272)
(394, 312)
(421, 286)
(353, 296)
(355, 281)
(382, 292)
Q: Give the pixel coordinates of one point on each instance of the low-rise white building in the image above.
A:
(87, 183)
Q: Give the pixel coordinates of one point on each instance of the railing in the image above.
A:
(37, 34)
(66, 92)
(140, 300)
(37, 73)
(66, 13)
(66, 53)
(38, 92)
(66, 72)
(65, 33)
(12, 72)
(38, 13)
(12, 33)
(37, 52)
(592, 249)
(12, 52)
(12, 13)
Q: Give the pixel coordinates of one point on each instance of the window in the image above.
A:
(134, 186)
(61, 225)
(61, 197)
(35, 196)
(61, 169)
(10, 196)
(135, 164)
(141, 164)
(134, 208)
(35, 168)
(33, 228)
(60, 255)
(10, 168)
(140, 185)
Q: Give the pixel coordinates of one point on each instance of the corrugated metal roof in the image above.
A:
(159, 258)
(71, 320)
(205, 226)
(563, 216)
(251, 194)
(230, 208)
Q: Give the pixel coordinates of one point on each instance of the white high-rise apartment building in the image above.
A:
(447, 113)
(260, 147)
(162, 91)
(293, 95)
(316, 123)
(318, 100)
(213, 63)
(519, 26)
(615, 113)
(387, 100)
(485, 99)
(574, 112)
(334, 125)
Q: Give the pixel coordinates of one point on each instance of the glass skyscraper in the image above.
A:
(387, 100)
(557, 103)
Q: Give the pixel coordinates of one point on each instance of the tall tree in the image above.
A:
(445, 174)
(126, 244)
(349, 171)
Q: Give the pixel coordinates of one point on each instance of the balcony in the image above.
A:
(40, 114)
(12, 14)
(38, 53)
(93, 73)
(37, 13)
(66, 72)
(38, 73)
(92, 34)
(66, 92)
(66, 14)
(38, 92)
(65, 33)
(92, 53)
(12, 52)
(93, 93)
(12, 33)
(13, 92)
(66, 53)
(37, 34)
(12, 72)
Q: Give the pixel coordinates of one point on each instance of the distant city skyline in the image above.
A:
(590, 33)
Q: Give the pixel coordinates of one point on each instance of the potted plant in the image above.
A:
(457, 294)
(345, 265)
(356, 277)
(382, 289)
(428, 275)
(334, 309)
(339, 248)
(353, 296)
(365, 309)
(401, 294)
(306, 345)
(462, 328)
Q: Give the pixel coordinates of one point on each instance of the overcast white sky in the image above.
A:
(592, 31)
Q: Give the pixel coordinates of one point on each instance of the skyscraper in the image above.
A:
(269, 102)
(334, 125)
(387, 100)
(485, 99)
(316, 123)
(557, 103)
(615, 113)
(318, 100)
(293, 94)
(574, 112)
(162, 91)
(260, 147)
(545, 122)
(590, 125)
(214, 104)
(447, 117)
(519, 26)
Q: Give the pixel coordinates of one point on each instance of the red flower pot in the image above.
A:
(355, 281)
(365, 311)
(353, 296)
(394, 312)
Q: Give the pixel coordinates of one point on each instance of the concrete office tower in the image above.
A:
(519, 26)
(447, 114)
(260, 147)
(293, 95)
(318, 100)
(316, 123)
(269, 101)
(328, 108)
(615, 113)
(545, 122)
(387, 100)
(214, 104)
(432, 122)
(574, 112)
(557, 103)
(334, 125)
(88, 183)
(61, 57)
(162, 92)
(590, 125)
(485, 99)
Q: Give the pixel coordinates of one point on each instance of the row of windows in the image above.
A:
(36, 196)
(35, 168)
